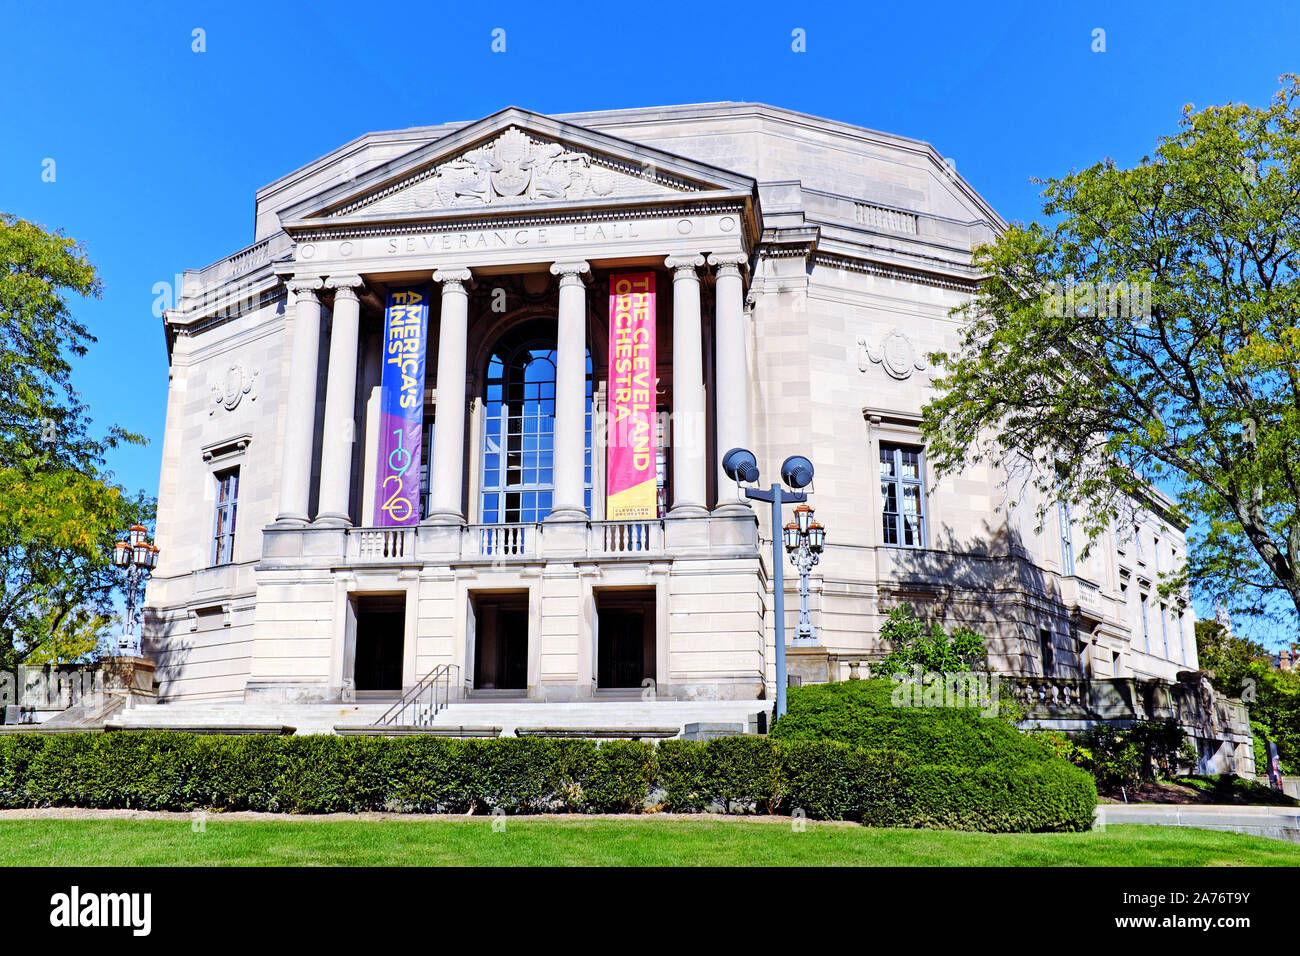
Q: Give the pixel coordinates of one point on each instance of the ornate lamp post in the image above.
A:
(804, 540)
(137, 555)
(741, 466)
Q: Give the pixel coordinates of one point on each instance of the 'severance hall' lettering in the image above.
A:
(508, 238)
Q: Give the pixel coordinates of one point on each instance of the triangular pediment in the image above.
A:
(511, 159)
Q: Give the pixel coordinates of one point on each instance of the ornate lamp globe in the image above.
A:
(816, 537)
(121, 554)
(140, 554)
(803, 518)
(136, 535)
(791, 536)
(151, 557)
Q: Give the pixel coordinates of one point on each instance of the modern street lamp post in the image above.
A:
(741, 466)
(804, 540)
(137, 555)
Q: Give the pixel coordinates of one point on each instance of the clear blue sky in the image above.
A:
(159, 149)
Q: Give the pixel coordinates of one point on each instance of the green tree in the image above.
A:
(1232, 659)
(1244, 668)
(59, 508)
(932, 648)
(1192, 382)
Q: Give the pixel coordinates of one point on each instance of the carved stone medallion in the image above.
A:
(234, 385)
(896, 355)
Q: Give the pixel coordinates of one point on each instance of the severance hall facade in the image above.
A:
(388, 440)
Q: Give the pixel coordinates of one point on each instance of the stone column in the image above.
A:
(688, 388)
(568, 503)
(340, 428)
(731, 381)
(300, 405)
(449, 424)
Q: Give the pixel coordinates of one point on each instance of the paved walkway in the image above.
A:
(1280, 823)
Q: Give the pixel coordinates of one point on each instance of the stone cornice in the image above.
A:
(888, 271)
(513, 217)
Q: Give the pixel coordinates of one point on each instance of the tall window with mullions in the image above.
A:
(519, 434)
(902, 495)
(223, 530)
(426, 466)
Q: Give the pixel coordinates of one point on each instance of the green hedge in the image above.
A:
(162, 770)
(862, 713)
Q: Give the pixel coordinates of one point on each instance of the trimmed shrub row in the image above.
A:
(162, 770)
(865, 713)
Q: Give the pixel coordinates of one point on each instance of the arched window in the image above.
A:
(519, 432)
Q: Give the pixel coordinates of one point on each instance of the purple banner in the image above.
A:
(401, 409)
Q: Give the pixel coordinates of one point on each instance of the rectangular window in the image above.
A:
(902, 496)
(426, 466)
(663, 464)
(1047, 651)
(1146, 631)
(223, 533)
(1067, 537)
(1137, 545)
(1164, 630)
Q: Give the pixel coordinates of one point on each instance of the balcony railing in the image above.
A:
(381, 545)
(504, 542)
(626, 537)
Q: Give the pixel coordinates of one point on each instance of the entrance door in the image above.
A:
(625, 640)
(501, 641)
(381, 633)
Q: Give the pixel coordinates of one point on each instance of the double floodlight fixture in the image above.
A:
(741, 466)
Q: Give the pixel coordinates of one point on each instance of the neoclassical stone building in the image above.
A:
(801, 270)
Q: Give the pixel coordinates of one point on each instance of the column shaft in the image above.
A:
(569, 501)
(731, 381)
(300, 404)
(340, 405)
(445, 486)
(689, 432)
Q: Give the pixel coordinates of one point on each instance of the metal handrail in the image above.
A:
(421, 703)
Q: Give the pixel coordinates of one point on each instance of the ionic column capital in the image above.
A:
(305, 288)
(453, 280)
(729, 263)
(570, 272)
(684, 264)
(345, 286)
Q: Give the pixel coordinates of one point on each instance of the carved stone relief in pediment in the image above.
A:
(515, 168)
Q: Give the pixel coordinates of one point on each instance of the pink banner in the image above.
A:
(630, 489)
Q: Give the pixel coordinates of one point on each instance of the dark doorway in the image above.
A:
(625, 638)
(381, 632)
(501, 641)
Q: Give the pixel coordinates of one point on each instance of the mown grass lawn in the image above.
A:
(579, 842)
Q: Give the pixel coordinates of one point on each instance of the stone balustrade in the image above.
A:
(717, 536)
(1072, 703)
